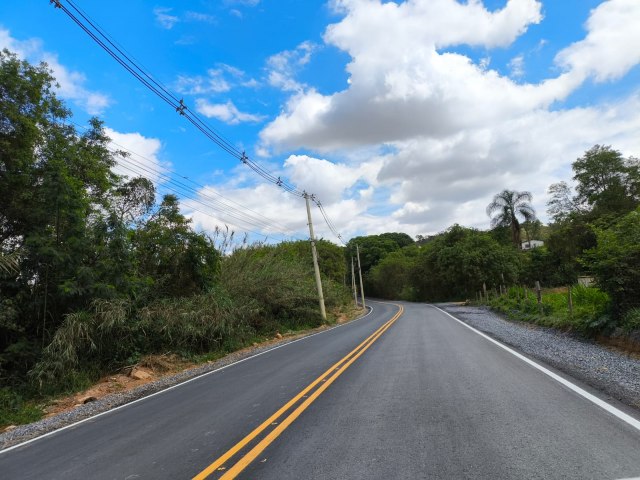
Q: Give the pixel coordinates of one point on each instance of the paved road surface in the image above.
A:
(425, 397)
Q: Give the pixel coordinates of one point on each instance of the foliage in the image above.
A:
(94, 274)
(561, 204)
(616, 262)
(14, 410)
(181, 261)
(507, 207)
(392, 277)
(590, 308)
(330, 257)
(606, 182)
(631, 320)
(457, 263)
(373, 248)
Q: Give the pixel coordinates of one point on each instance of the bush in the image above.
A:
(260, 290)
(616, 262)
(631, 320)
(590, 309)
(14, 410)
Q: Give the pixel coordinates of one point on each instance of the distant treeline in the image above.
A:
(594, 232)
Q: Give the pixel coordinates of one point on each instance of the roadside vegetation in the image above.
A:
(96, 272)
(594, 233)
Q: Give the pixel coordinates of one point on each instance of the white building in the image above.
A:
(532, 244)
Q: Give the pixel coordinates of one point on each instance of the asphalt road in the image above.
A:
(425, 397)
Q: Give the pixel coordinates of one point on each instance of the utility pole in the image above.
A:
(353, 284)
(360, 275)
(315, 260)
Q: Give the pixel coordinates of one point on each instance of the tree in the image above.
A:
(606, 183)
(392, 277)
(560, 204)
(455, 264)
(374, 248)
(509, 205)
(616, 262)
(330, 257)
(178, 260)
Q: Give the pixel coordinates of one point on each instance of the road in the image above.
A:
(408, 397)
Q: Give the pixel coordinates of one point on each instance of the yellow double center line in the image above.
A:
(326, 379)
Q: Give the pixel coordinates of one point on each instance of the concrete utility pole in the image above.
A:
(315, 260)
(353, 284)
(360, 275)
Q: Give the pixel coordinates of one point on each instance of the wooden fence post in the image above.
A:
(539, 295)
(570, 302)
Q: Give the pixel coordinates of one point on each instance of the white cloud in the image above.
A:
(329, 181)
(191, 16)
(70, 82)
(283, 67)
(516, 65)
(143, 159)
(220, 79)
(610, 48)
(164, 18)
(458, 132)
(246, 3)
(226, 112)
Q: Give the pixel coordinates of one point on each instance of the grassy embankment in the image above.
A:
(589, 316)
(259, 293)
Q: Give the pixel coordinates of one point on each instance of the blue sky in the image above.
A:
(402, 116)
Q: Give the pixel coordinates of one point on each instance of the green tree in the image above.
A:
(178, 260)
(506, 207)
(55, 186)
(606, 183)
(616, 261)
(392, 277)
(330, 257)
(373, 248)
(456, 263)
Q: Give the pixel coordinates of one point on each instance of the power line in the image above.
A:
(132, 66)
(256, 219)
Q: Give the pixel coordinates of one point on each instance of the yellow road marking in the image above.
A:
(253, 453)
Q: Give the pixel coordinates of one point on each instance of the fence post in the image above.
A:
(570, 302)
(539, 295)
(484, 289)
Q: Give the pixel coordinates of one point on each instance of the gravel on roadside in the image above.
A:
(610, 371)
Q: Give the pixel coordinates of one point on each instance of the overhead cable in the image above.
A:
(134, 68)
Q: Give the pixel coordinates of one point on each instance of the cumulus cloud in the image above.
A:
(608, 52)
(226, 112)
(70, 83)
(143, 159)
(451, 132)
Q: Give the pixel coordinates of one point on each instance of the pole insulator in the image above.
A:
(181, 108)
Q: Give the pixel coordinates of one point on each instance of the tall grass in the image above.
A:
(590, 313)
(259, 291)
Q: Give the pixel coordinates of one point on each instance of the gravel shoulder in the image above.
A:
(615, 373)
(23, 433)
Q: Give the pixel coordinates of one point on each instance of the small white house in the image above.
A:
(532, 244)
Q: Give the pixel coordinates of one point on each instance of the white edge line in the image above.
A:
(580, 391)
(75, 424)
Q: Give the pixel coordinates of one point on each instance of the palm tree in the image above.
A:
(509, 205)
